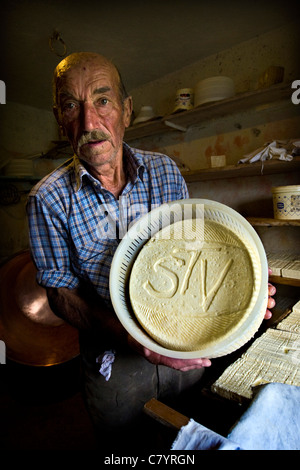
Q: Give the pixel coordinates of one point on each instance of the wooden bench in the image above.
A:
(164, 414)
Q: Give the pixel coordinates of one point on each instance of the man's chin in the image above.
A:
(92, 152)
(91, 148)
(95, 159)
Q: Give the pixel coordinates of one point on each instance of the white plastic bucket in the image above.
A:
(286, 202)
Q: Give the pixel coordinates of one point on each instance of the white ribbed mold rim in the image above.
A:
(142, 231)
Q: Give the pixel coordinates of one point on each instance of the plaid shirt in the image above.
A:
(75, 224)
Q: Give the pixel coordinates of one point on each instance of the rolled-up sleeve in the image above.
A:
(48, 237)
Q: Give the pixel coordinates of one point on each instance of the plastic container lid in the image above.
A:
(284, 189)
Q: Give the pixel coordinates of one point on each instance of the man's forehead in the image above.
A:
(96, 80)
(67, 92)
(85, 70)
(79, 59)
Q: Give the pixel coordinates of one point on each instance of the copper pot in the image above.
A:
(32, 333)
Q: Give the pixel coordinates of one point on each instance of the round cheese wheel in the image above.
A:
(193, 284)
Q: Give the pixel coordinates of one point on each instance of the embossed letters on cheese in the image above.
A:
(188, 292)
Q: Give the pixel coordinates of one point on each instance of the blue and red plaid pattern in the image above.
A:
(74, 223)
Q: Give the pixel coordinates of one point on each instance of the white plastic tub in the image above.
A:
(286, 202)
(213, 89)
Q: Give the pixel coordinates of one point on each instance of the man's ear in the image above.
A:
(127, 110)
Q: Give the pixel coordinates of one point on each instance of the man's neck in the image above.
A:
(112, 178)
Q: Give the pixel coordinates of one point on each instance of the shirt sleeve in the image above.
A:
(183, 191)
(49, 244)
(180, 189)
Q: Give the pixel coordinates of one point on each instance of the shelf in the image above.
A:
(285, 281)
(182, 121)
(20, 178)
(268, 222)
(268, 167)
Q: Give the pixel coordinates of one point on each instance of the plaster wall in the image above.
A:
(238, 134)
(25, 132)
(28, 131)
(235, 135)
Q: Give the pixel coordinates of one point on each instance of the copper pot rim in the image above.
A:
(26, 341)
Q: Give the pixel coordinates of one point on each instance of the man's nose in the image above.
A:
(89, 117)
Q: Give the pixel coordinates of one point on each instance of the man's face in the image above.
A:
(92, 113)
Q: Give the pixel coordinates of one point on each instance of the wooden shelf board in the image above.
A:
(145, 129)
(285, 280)
(268, 222)
(20, 178)
(243, 169)
(232, 105)
(185, 119)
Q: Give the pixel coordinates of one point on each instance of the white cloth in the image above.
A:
(271, 422)
(106, 360)
(194, 436)
(280, 150)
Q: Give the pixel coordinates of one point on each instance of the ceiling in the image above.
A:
(145, 39)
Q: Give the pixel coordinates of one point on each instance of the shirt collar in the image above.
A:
(79, 172)
(134, 164)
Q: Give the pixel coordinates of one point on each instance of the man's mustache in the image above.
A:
(92, 136)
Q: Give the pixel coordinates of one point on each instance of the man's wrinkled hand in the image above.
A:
(178, 364)
(271, 302)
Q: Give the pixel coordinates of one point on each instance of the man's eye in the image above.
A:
(69, 106)
(102, 101)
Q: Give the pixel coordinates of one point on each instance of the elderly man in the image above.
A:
(67, 212)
